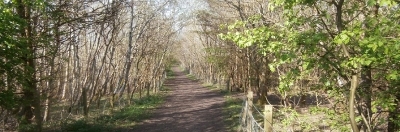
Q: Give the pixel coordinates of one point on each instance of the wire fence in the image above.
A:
(247, 121)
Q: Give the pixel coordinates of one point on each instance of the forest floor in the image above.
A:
(189, 107)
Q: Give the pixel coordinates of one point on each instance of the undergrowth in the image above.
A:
(210, 86)
(191, 77)
(118, 121)
(170, 73)
(232, 109)
(232, 106)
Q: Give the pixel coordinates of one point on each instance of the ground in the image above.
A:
(189, 107)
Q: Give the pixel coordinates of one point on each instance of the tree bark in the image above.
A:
(31, 95)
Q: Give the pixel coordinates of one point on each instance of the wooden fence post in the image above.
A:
(268, 118)
(249, 110)
(244, 116)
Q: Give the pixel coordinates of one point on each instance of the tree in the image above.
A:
(69, 54)
(349, 46)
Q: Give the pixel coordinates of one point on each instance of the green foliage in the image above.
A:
(16, 56)
(126, 116)
(334, 119)
(209, 86)
(82, 125)
(8, 99)
(395, 122)
(290, 116)
(170, 73)
(191, 77)
(232, 109)
(170, 61)
(384, 102)
(302, 45)
(12, 49)
(217, 56)
(164, 88)
(25, 127)
(136, 112)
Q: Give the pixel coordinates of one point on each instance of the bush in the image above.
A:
(110, 123)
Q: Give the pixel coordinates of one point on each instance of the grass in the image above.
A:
(210, 86)
(191, 77)
(120, 120)
(105, 119)
(232, 109)
(232, 106)
(165, 89)
(217, 88)
(170, 73)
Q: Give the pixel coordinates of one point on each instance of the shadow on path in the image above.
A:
(189, 107)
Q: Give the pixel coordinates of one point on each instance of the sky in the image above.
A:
(186, 11)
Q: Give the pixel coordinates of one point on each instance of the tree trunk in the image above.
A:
(31, 94)
(366, 95)
(148, 89)
(84, 102)
(46, 115)
(353, 88)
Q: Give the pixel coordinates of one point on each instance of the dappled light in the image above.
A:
(199, 65)
(189, 107)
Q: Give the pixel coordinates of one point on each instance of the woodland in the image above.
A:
(324, 64)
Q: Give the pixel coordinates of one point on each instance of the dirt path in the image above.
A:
(189, 107)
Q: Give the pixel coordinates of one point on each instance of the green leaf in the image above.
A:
(371, 2)
(388, 3)
(366, 62)
(393, 75)
(327, 83)
(271, 67)
(284, 57)
(342, 38)
(305, 65)
(358, 119)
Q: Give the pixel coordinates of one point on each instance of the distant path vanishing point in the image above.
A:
(189, 107)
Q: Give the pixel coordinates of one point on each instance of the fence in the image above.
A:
(249, 124)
